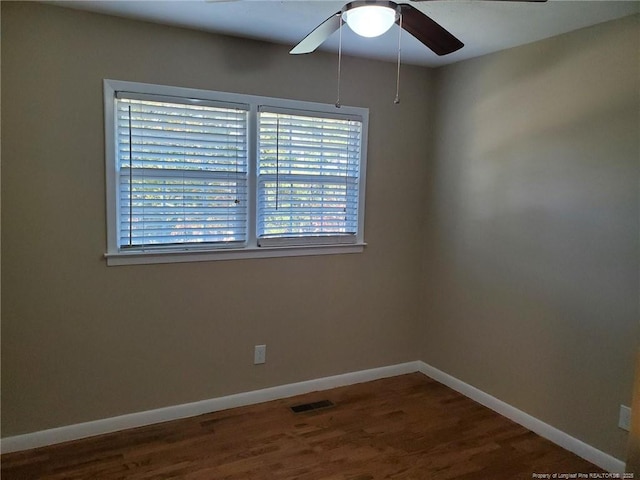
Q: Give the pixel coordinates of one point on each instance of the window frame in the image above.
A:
(251, 249)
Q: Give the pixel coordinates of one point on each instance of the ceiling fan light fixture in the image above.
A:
(369, 20)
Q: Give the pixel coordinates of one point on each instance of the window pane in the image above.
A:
(182, 174)
(308, 176)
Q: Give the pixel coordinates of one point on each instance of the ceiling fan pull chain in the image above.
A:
(397, 100)
(339, 63)
(277, 159)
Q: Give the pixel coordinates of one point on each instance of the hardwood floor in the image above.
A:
(406, 427)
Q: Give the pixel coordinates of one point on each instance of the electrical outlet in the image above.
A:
(624, 421)
(259, 354)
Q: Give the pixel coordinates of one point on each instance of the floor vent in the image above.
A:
(307, 407)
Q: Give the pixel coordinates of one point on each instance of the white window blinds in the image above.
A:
(308, 178)
(182, 172)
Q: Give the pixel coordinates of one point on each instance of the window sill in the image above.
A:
(147, 258)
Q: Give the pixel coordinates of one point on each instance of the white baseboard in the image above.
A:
(108, 425)
(592, 454)
(132, 420)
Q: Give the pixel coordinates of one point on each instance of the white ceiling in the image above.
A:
(483, 26)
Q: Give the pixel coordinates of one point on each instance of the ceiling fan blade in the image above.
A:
(323, 31)
(430, 33)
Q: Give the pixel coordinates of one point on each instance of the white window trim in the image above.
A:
(251, 249)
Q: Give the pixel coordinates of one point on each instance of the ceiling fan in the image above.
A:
(372, 18)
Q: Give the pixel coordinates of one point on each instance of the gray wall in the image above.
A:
(82, 341)
(522, 205)
(531, 260)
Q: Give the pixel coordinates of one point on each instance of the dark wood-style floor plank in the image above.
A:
(407, 427)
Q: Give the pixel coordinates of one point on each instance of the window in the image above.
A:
(198, 175)
(182, 173)
(308, 170)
